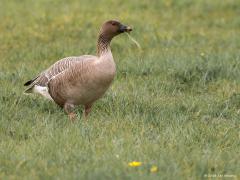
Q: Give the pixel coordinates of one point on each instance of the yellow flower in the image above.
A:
(202, 54)
(154, 169)
(135, 164)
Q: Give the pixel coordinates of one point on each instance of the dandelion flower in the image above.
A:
(154, 169)
(202, 54)
(135, 164)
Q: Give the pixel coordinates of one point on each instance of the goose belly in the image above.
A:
(90, 94)
(81, 93)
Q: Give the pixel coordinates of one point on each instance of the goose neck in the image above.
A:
(103, 45)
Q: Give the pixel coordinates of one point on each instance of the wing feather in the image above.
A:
(57, 68)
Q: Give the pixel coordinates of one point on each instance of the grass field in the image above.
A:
(174, 104)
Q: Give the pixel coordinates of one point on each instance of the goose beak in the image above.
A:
(128, 29)
(125, 28)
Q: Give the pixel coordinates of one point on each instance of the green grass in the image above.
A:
(175, 104)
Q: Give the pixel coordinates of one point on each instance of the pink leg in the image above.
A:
(87, 110)
(72, 116)
(69, 109)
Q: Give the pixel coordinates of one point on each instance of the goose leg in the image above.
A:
(69, 108)
(87, 109)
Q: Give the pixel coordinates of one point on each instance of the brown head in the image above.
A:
(108, 30)
(112, 28)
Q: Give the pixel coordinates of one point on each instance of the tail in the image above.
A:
(29, 90)
(30, 81)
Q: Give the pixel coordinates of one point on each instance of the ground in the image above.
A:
(174, 104)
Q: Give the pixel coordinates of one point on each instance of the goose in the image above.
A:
(81, 80)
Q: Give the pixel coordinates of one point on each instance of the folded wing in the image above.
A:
(53, 71)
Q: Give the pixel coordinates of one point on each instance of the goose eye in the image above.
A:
(114, 24)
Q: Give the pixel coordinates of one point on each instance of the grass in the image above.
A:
(175, 104)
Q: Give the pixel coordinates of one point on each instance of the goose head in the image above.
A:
(113, 28)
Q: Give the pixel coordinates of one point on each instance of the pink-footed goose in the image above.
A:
(80, 80)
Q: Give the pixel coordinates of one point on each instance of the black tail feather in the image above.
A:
(28, 83)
